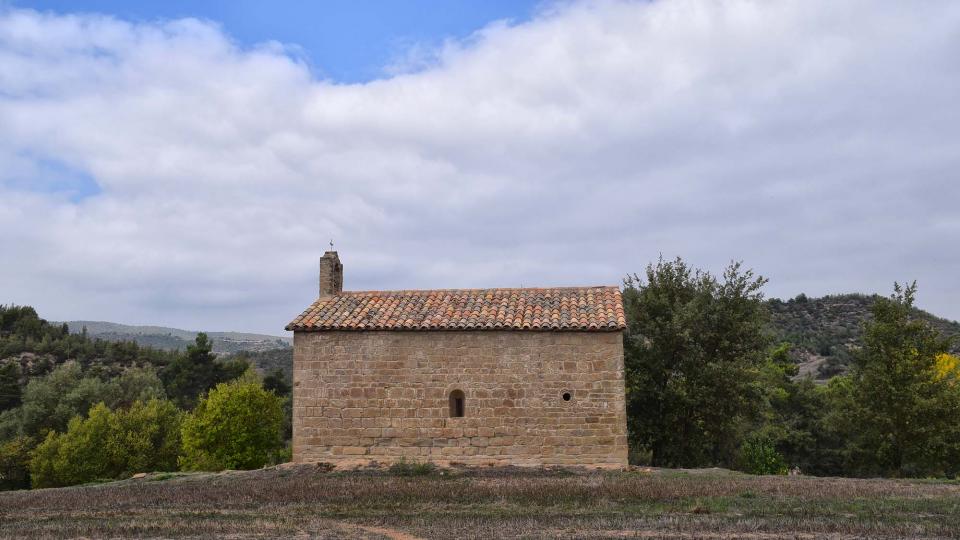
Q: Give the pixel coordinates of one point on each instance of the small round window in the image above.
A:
(566, 396)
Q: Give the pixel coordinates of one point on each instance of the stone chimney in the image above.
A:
(331, 274)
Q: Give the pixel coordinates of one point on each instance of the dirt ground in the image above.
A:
(313, 502)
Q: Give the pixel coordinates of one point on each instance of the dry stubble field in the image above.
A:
(311, 502)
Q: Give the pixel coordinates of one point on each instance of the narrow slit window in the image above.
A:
(457, 405)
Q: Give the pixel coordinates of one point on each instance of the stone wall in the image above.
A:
(380, 396)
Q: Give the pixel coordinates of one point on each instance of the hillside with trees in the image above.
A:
(75, 409)
(825, 332)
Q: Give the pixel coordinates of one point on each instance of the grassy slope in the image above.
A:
(284, 502)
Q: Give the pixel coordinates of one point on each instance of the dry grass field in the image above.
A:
(311, 502)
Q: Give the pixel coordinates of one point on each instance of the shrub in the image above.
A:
(14, 461)
(759, 456)
(639, 454)
(412, 468)
(109, 444)
(282, 455)
(149, 437)
(237, 426)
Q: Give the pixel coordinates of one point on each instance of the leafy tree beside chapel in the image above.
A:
(692, 353)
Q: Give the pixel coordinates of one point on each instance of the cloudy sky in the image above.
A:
(186, 165)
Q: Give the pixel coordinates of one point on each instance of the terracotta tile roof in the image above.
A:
(561, 309)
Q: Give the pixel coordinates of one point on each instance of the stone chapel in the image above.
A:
(525, 376)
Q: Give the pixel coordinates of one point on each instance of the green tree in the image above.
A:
(22, 321)
(238, 425)
(109, 444)
(9, 385)
(51, 401)
(792, 419)
(11, 423)
(834, 429)
(276, 382)
(197, 371)
(692, 350)
(137, 384)
(14, 463)
(147, 437)
(899, 414)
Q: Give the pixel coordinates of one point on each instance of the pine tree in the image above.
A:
(903, 416)
(192, 374)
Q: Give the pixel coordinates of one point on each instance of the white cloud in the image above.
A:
(818, 141)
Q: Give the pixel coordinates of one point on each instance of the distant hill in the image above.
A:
(825, 331)
(160, 337)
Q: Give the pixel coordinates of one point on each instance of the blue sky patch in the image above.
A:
(56, 177)
(345, 40)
